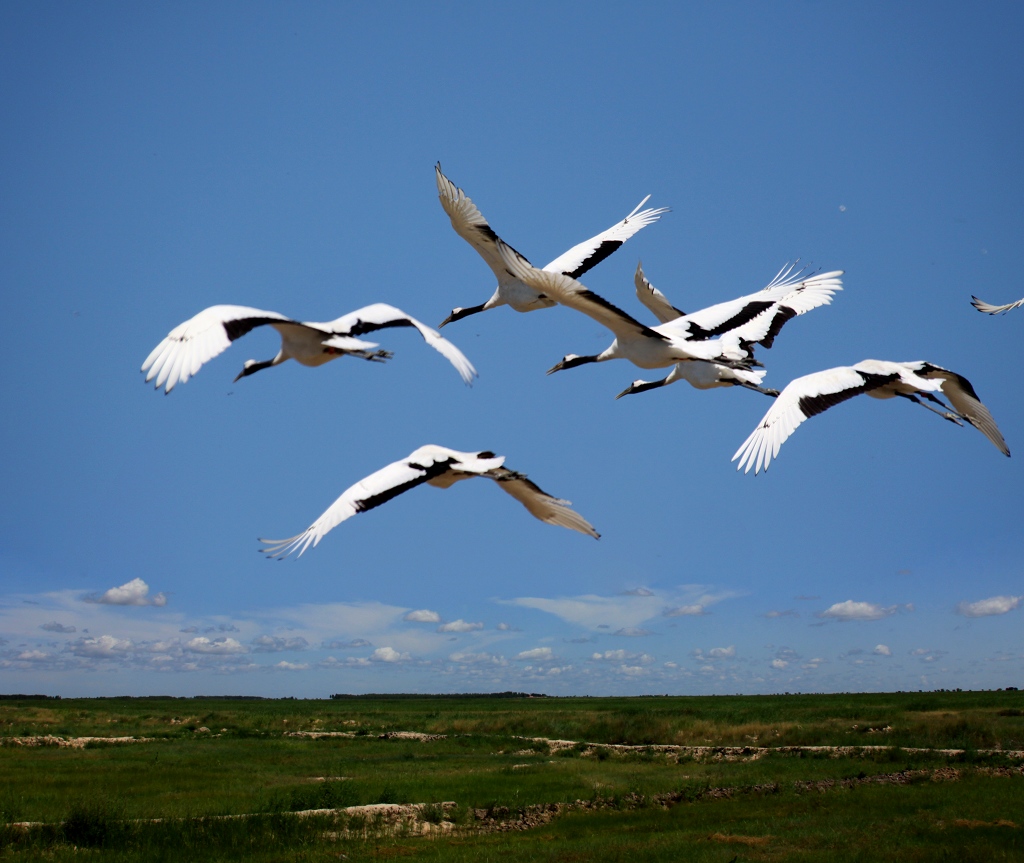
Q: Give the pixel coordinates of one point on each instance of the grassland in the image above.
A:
(772, 778)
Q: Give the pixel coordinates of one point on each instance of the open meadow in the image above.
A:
(924, 776)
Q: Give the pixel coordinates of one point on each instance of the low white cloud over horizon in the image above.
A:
(51, 636)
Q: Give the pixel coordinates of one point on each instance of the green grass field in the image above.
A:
(613, 793)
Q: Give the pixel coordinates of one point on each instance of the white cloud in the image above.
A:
(611, 655)
(175, 643)
(291, 666)
(633, 632)
(217, 647)
(104, 647)
(779, 664)
(373, 621)
(714, 653)
(986, 607)
(134, 592)
(273, 644)
(926, 655)
(477, 659)
(596, 612)
(538, 654)
(33, 656)
(345, 645)
(771, 615)
(684, 611)
(632, 670)
(459, 626)
(347, 662)
(626, 610)
(423, 615)
(882, 650)
(850, 610)
(388, 654)
(623, 656)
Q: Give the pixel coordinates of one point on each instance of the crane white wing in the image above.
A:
(199, 339)
(989, 309)
(965, 401)
(758, 317)
(379, 487)
(430, 462)
(379, 316)
(568, 292)
(802, 398)
(347, 343)
(539, 503)
(588, 254)
(654, 299)
(469, 223)
(809, 294)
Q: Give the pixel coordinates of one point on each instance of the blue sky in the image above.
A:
(161, 158)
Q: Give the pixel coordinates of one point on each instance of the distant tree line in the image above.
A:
(412, 695)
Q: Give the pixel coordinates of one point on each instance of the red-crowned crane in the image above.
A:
(438, 466)
(811, 394)
(646, 347)
(190, 344)
(470, 224)
(754, 319)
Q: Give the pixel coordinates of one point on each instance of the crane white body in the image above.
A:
(704, 376)
(812, 394)
(646, 347)
(437, 466)
(753, 319)
(201, 338)
(470, 224)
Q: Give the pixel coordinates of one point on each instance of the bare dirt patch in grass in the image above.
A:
(752, 841)
(751, 753)
(968, 822)
(318, 735)
(68, 742)
(387, 735)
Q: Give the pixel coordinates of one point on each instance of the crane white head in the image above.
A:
(640, 386)
(459, 313)
(570, 361)
(251, 367)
